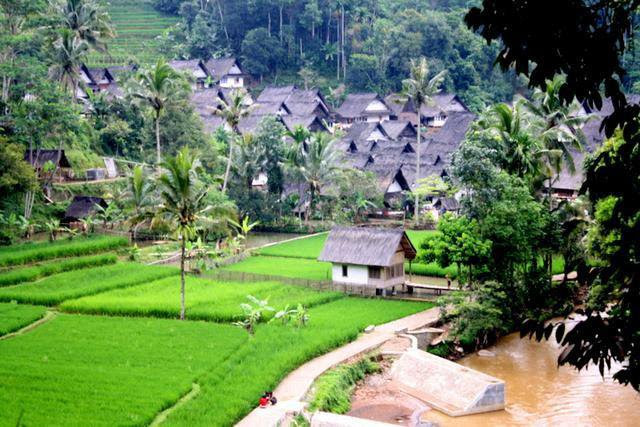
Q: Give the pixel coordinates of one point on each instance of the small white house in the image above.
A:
(369, 257)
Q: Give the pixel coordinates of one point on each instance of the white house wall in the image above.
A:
(232, 81)
(356, 274)
(375, 107)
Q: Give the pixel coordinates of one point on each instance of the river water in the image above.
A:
(541, 394)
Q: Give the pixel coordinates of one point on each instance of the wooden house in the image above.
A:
(57, 159)
(226, 72)
(82, 207)
(195, 69)
(371, 258)
(433, 115)
(363, 107)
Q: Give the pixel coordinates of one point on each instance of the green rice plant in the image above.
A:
(36, 272)
(90, 370)
(283, 266)
(431, 269)
(308, 247)
(73, 284)
(205, 299)
(27, 253)
(232, 390)
(15, 316)
(333, 389)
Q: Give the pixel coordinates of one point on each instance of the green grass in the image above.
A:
(232, 390)
(34, 252)
(333, 389)
(73, 284)
(99, 371)
(14, 316)
(282, 266)
(137, 25)
(30, 274)
(205, 299)
(309, 247)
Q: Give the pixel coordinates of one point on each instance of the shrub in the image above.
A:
(39, 271)
(333, 389)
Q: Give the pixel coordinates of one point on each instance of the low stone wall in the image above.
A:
(327, 419)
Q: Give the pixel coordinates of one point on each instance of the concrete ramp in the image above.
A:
(326, 419)
(447, 386)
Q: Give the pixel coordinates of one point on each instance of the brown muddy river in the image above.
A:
(541, 394)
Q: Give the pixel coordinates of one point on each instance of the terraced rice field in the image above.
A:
(137, 26)
(81, 369)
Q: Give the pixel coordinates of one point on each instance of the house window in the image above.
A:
(345, 271)
(374, 272)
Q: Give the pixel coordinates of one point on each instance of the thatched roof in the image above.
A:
(310, 122)
(448, 204)
(355, 105)
(366, 246)
(399, 128)
(40, 157)
(82, 207)
(220, 67)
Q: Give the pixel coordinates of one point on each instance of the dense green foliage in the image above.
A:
(100, 370)
(332, 390)
(28, 252)
(30, 274)
(205, 299)
(73, 284)
(301, 268)
(15, 316)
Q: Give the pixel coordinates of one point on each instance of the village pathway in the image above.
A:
(292, 390)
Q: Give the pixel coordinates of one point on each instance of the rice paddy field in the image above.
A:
(137, 26)
(108, 349)
(302, 268)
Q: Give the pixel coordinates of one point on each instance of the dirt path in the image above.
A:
(48, 315)
(292, 390)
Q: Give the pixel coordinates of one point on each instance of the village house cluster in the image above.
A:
(379, 134)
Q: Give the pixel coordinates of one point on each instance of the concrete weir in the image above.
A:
(447, 386)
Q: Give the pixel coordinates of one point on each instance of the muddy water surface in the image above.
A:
(540, 393)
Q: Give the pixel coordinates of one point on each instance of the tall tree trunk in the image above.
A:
(224, 27)
(337, 48)
(419, 139)
(281, 7)
(344, 59)
(228, 169)
(182, 253)
(158, 152)
(269, 22)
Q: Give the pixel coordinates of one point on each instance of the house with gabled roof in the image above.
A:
(195, 69)
(434, 114)
(363, 107)
(226, 72)
(371, 259)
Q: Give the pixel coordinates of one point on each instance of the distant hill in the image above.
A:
(137, 25)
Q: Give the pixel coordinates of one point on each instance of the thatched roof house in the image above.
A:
(363, 107)
(40, 157)
(225, 72)
(368, 257)
(82, 207)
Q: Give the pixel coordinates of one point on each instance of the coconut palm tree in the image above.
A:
(184, 203)
(524, 152)
(319, 165)
(155, 87)
(88, 20)
(139, 193)
(560, 126)
(420, 89)
(69, 55)
(231, 112)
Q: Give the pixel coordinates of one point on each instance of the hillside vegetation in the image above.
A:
(137, 24)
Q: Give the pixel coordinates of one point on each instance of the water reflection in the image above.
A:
(539, 393)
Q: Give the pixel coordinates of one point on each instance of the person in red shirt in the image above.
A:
(264, 401)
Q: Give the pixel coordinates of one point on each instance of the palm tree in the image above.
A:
(249, 159)
(294, 153)
(155, 87)
(184, 203)
(524, 153)
(419, 89)
(231, 112)
(69, 55)
(561, 126)
(319, 165)
(139, 193)
(86, 19)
